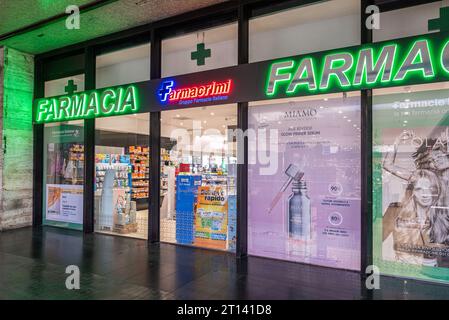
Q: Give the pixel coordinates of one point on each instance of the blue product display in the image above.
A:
(186, 194)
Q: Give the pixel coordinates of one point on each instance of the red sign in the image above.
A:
(204, 91)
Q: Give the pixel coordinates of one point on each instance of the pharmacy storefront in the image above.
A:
(333, 155)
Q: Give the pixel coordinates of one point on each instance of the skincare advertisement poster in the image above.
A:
(211, 217)
(64, 203)
(304, 182)
(63, 176)
(411, 179)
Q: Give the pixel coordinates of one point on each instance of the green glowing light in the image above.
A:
(87, 105)
(403, 62)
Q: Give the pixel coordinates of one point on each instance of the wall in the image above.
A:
(16, 153)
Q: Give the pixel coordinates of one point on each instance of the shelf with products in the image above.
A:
(75, 164)
(140, 173)
(214, 179)
(117, 163)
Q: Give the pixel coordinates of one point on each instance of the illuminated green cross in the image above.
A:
(71, 87)
(441, 23)
(200, 54)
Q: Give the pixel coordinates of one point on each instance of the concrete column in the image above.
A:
(16, 143)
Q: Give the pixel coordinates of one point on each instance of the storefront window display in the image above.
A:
(410, 179)
(122, 175)
(122, 150)
(313, 27)
(198, 174)
(63, 163)
(63, 175)
(304, 180)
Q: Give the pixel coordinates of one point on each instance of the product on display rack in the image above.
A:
(140, 162)
(116, 211)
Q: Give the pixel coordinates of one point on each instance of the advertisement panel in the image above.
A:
(305, 204)
(411, 176)
(211, 217)
(63, 176)
(64, 203)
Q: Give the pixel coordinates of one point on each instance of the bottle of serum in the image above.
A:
(299, 215)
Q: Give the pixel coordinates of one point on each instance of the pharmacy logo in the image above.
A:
(165, 89)
(213, 91)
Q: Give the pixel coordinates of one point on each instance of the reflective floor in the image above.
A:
(33, 263)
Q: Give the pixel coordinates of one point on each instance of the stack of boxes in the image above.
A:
(186, 195)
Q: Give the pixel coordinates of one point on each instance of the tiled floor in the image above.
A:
(33, 262)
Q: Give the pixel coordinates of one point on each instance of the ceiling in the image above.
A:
(118, 15)
(114, 16)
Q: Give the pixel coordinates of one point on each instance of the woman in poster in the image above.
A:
(410, 221)
(419, 223)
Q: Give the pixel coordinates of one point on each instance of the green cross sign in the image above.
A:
(71, 87)
(200, 54)
(441, 23)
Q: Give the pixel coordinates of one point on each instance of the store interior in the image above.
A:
(194, 148)
(121, 175)
(198, 207)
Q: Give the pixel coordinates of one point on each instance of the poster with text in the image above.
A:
(304, 182)
(211, 217)
(63, 172)
(411, 178)
(64, 203)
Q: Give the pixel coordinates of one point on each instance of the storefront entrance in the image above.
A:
(343, 157)
(122, 175)
(198, 177)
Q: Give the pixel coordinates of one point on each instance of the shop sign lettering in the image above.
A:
(378, 65)
(89, 104)
(213, 91)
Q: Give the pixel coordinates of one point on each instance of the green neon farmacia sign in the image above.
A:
(378, 65)
(89, 104)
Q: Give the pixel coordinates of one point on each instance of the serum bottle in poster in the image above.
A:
(299, 215)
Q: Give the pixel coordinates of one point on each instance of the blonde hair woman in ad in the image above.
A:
(411, 224)
(420, 222)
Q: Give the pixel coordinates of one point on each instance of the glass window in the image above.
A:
(396, 23)
(204, 50)
(64, 163)
(63, 175)
(410, 181)
(64, 86)
(311, 28)
(122, 175)
(122, 150)
(304, 188)
(123, 66)
(198, 176)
